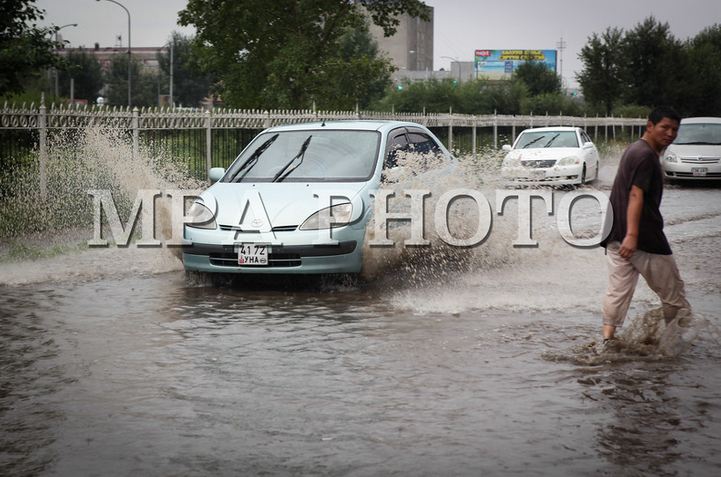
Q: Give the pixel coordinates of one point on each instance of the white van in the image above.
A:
(696, 152)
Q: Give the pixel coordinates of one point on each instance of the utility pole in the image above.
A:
(561, 45)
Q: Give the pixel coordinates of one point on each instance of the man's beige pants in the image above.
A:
(659, 271)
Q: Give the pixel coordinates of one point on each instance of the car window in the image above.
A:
(546, 139)
(330, 156)
(699, 133)
(397, 142)
(586, 138)
(422, 143)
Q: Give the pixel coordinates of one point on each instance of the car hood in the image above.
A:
(542, 153)
(695, 150)
(286, 204)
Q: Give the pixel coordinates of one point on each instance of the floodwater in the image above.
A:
(113, 363)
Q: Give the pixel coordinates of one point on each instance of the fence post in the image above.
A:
(450, 129)
(208, 145)
(135, 125)
(43, 133)
(473, 138)
(595, 129)
(495, 129)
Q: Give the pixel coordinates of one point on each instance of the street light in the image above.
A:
(57, 89)
(129, 57)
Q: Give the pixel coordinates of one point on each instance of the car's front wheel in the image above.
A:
(583, 174)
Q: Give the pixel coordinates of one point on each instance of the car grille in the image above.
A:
(280, 228)
(274, 259)
(700, 160)
(539, 163)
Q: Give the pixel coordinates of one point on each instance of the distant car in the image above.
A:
(551, 156)
(696, 152)
(273, 211)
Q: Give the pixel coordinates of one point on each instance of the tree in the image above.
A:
(86, 73)
(537, 78)
(190, 83)
(25, 48)
(653, 62)
(702, 85)
(287, 54)
(600, 78)
(145, 86)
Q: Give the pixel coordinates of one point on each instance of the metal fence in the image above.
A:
(205, 139)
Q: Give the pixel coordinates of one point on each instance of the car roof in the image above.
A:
(700, 120)
(552, 128)
(351, 124)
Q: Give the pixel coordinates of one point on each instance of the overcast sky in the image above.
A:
(461, 26)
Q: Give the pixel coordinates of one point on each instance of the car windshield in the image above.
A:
(699, 133)
(330, 156)
(543, 139)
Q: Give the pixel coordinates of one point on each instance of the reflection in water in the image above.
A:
(28, 374)
(646, 422)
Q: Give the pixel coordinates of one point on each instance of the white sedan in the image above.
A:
(551, 156)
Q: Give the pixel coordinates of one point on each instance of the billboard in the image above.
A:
(499, 64)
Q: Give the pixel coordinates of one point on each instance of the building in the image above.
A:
(147, 56)
(410, 49)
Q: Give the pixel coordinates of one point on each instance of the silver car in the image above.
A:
(297, 199)
(696, 152)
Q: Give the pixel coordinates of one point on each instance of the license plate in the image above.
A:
(255, 254)
(698, 171)
(537, 174)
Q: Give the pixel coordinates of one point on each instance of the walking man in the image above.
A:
(636, 243)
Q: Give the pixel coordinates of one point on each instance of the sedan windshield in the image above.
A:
(331, 156)
(699, 134)
(543, 139)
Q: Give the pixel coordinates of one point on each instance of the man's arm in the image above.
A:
(633, 218)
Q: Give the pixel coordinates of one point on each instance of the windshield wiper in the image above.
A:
(534, 141)
(301, 153)
(551, 140)
(253, 159)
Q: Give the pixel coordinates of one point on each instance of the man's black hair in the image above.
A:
(660, 112)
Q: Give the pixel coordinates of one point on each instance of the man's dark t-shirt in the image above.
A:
(639, 166)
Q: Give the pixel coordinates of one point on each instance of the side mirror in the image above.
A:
(587, 144)
(215, 174)
(506, 148)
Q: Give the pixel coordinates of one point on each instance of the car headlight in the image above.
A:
(670, 157)
(334, 216)
(569, 161)
(202, 217)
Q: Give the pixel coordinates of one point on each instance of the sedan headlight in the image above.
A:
(334, 216)
(670, 157)
(202, 217)
(569, 161)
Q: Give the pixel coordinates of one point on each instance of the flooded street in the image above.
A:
(112, 363)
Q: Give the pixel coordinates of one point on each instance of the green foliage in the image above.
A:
(600, 78)
(553, 104)
(85, 69)
(647, 66)
(702, 86)
(289, 54)
(144, 86)
(190, 83)
(25, 48)
(631, 111)
(537, 78)
(653, 61)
